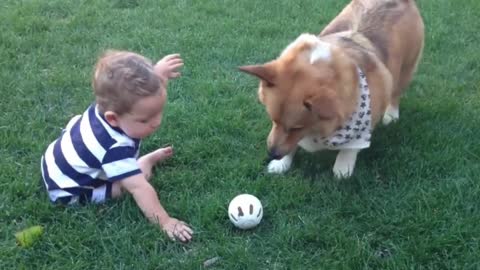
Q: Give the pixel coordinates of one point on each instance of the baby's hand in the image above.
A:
(177, 229)
(167, 68)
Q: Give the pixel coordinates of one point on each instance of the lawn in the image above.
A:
(413, 202)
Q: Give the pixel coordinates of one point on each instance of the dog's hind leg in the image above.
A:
(404, 76)
(392, 113)
(345, 163)
(282, 165)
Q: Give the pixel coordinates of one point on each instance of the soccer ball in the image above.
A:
(245, 211)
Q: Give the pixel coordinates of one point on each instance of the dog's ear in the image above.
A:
(264, 72)
(324, 105)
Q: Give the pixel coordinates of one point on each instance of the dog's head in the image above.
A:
(305, 91)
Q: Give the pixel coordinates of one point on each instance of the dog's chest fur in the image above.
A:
(312, 143)
(354, 133)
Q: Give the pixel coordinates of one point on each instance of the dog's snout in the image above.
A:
(274, 154)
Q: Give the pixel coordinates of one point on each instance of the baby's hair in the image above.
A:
(121, 78)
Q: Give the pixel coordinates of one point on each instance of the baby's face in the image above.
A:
(145, 116)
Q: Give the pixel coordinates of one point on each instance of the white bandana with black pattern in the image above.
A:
(357, 131)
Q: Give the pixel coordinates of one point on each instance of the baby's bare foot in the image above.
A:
(161, 154)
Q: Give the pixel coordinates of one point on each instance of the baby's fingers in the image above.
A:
(186, 228)
(170, 57)
(180, 236)
(184, 234)
(175, 61)
(175, 74)
(172, 65)
(170, 235)
(175, 66)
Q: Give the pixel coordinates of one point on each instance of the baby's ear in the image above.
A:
(112, 118)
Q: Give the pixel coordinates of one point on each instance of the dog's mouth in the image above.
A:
(275, 153)
(275, 156)
(269, 158)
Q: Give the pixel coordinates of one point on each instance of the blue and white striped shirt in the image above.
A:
(87, 155)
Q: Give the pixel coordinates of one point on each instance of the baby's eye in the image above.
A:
(294, 129)
(143, 121)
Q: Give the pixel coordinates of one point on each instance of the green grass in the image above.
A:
(413, 203)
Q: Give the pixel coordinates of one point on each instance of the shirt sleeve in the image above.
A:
(120, 162)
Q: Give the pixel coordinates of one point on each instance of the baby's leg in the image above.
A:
(117, 190)
(149, 160)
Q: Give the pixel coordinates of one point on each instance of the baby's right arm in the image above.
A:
(147, 200)
(168, 67)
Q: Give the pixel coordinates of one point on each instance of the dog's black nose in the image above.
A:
(273, 154)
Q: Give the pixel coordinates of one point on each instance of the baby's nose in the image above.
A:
(155, 124)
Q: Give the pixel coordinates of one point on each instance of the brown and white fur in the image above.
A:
(311, 89)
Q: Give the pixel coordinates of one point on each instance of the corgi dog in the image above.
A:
(329, 91)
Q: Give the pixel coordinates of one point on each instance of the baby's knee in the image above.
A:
(117, 190)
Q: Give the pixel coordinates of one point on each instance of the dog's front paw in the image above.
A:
(342, 170)
(279, 166)
(345, 163)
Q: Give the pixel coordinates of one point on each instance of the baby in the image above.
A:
(97, 155)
